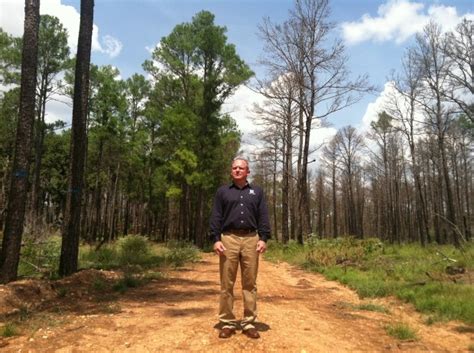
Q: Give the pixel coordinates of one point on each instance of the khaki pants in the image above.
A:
(239, 250)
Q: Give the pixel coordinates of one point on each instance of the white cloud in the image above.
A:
(392, 102)
(378, 106)
(322, 135)
(240, 105)
(447, 16)
(151, 49)
(111, 46)
(11, 17)
(397, 20)
(69, 17)
(59, 108)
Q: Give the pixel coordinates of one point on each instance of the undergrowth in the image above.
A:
(131, 253)
(438, 280)
(401, 331)
(40, 257)
(135, 253)
(9, 330)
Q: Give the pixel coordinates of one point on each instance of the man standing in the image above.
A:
(239, 228)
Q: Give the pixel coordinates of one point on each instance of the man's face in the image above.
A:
(240, 170)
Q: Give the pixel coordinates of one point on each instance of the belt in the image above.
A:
(239, 231)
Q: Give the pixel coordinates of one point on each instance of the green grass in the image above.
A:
(62, 292)
(126, 282)
(24, 312)
(448, 300)
(153, 275)
(112, 309)
(9, 330)
(431, 320)
(40, 258)
(372, 307)
(99, 284)
(401, 331)
(180, 253)
(374, 269)
(106, 257)
(135, 253)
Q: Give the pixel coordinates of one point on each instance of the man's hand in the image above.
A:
(261, 246)
(219, 248)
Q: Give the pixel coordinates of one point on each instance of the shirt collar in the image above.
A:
(232, 185)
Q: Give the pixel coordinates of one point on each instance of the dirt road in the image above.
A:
(298, 312)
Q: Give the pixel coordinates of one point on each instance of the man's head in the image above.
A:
(240, 170)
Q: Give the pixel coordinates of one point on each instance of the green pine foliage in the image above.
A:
(158, 144)
(10, 58)
(40, 257)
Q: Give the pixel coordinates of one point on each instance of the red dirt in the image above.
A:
(298, 312)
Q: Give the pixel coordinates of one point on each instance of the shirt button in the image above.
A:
(241, 204)
(241, 221)
(241, 197)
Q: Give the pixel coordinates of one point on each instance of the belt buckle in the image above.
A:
(245, 231)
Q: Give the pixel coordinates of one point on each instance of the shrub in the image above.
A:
(99, 284)
(181, 253)
(9, 330)
(133, 250)
(106, 257)
(126, 282)
(341, 251)
(40, 257)
(62, 292)
(401, 331)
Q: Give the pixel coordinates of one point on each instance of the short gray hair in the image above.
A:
(241, 158)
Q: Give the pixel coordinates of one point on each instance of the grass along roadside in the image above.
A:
(401, 331)
(129, 262)
(438, 280)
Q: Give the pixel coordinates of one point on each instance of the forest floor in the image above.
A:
(298, 312)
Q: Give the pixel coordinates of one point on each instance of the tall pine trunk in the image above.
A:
(10, 254)
(71, 232)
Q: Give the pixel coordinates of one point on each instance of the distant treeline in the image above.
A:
(409, 178)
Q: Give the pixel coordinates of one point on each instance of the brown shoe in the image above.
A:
(251, 333)
(226, 332)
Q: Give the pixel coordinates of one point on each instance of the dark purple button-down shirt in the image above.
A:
(236, 208)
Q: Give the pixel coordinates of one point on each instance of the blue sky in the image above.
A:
(375, 32)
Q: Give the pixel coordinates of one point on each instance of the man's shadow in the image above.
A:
(260, 326)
